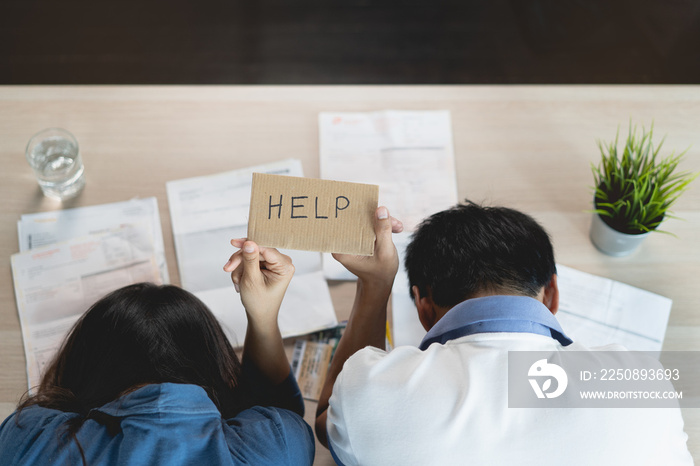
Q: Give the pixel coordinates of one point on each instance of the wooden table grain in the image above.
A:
(527, 147)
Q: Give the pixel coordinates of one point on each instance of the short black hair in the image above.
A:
(469, 248)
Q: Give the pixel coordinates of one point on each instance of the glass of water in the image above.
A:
(55, 157)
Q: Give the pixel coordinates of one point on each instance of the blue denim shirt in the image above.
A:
(168, 424)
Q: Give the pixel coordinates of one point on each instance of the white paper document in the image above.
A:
(207, 212)
(407, 329)
(55, 284)
(409, 154)
(44, 228)
(597, 311)
(593, 311)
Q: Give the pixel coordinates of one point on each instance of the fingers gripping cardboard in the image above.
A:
(312, 215)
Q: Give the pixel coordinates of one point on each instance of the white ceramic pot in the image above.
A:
(611, 241)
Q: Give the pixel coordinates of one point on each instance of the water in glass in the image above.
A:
(58, 168)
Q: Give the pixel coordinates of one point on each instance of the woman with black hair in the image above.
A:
(147, 376)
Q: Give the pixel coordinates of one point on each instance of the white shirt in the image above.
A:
(448, 405)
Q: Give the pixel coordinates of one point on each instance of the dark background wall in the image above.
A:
(349, 41)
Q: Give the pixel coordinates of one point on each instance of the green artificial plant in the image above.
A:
(634, 191)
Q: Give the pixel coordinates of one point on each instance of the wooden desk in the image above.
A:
(527, 147)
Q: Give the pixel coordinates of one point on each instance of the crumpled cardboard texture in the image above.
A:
(312, 215)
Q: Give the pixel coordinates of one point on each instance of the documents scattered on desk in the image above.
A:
(112, 245)
(407, 329)
(597, 311)
(409, 154)
(593, 311)
(56, 283)
(60, 225)
(207, 212)
(312, 215)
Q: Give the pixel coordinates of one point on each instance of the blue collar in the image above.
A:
(163, 397)
(495, 314)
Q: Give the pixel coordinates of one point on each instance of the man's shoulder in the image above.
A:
(575, 346)
(372, 370)
(376, 360)
(489, 346)
(371, 354)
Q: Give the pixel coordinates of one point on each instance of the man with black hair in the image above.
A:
(484, 283)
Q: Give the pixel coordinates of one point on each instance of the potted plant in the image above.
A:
(633, 192)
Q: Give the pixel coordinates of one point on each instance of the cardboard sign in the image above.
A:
(313, 215)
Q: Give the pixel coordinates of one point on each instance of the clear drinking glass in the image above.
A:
(54, 156)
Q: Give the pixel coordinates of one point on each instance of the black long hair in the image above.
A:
(137, 335)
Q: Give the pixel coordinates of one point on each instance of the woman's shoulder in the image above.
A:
(21, 429)
(269, 419)
(268, 430)
(33, 417)
(30, 421)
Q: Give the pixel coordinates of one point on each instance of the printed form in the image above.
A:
(56, 283)
(207, 212)
(410, 155)
(597, 311)
(44, 228)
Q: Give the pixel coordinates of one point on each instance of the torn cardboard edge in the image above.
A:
(312, 215)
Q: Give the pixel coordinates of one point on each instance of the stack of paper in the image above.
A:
(409, 154)
(207, 212)
(36, 230)
(71, 258)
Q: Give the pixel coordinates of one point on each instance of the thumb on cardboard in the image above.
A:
(383, 229)
(251, 259)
